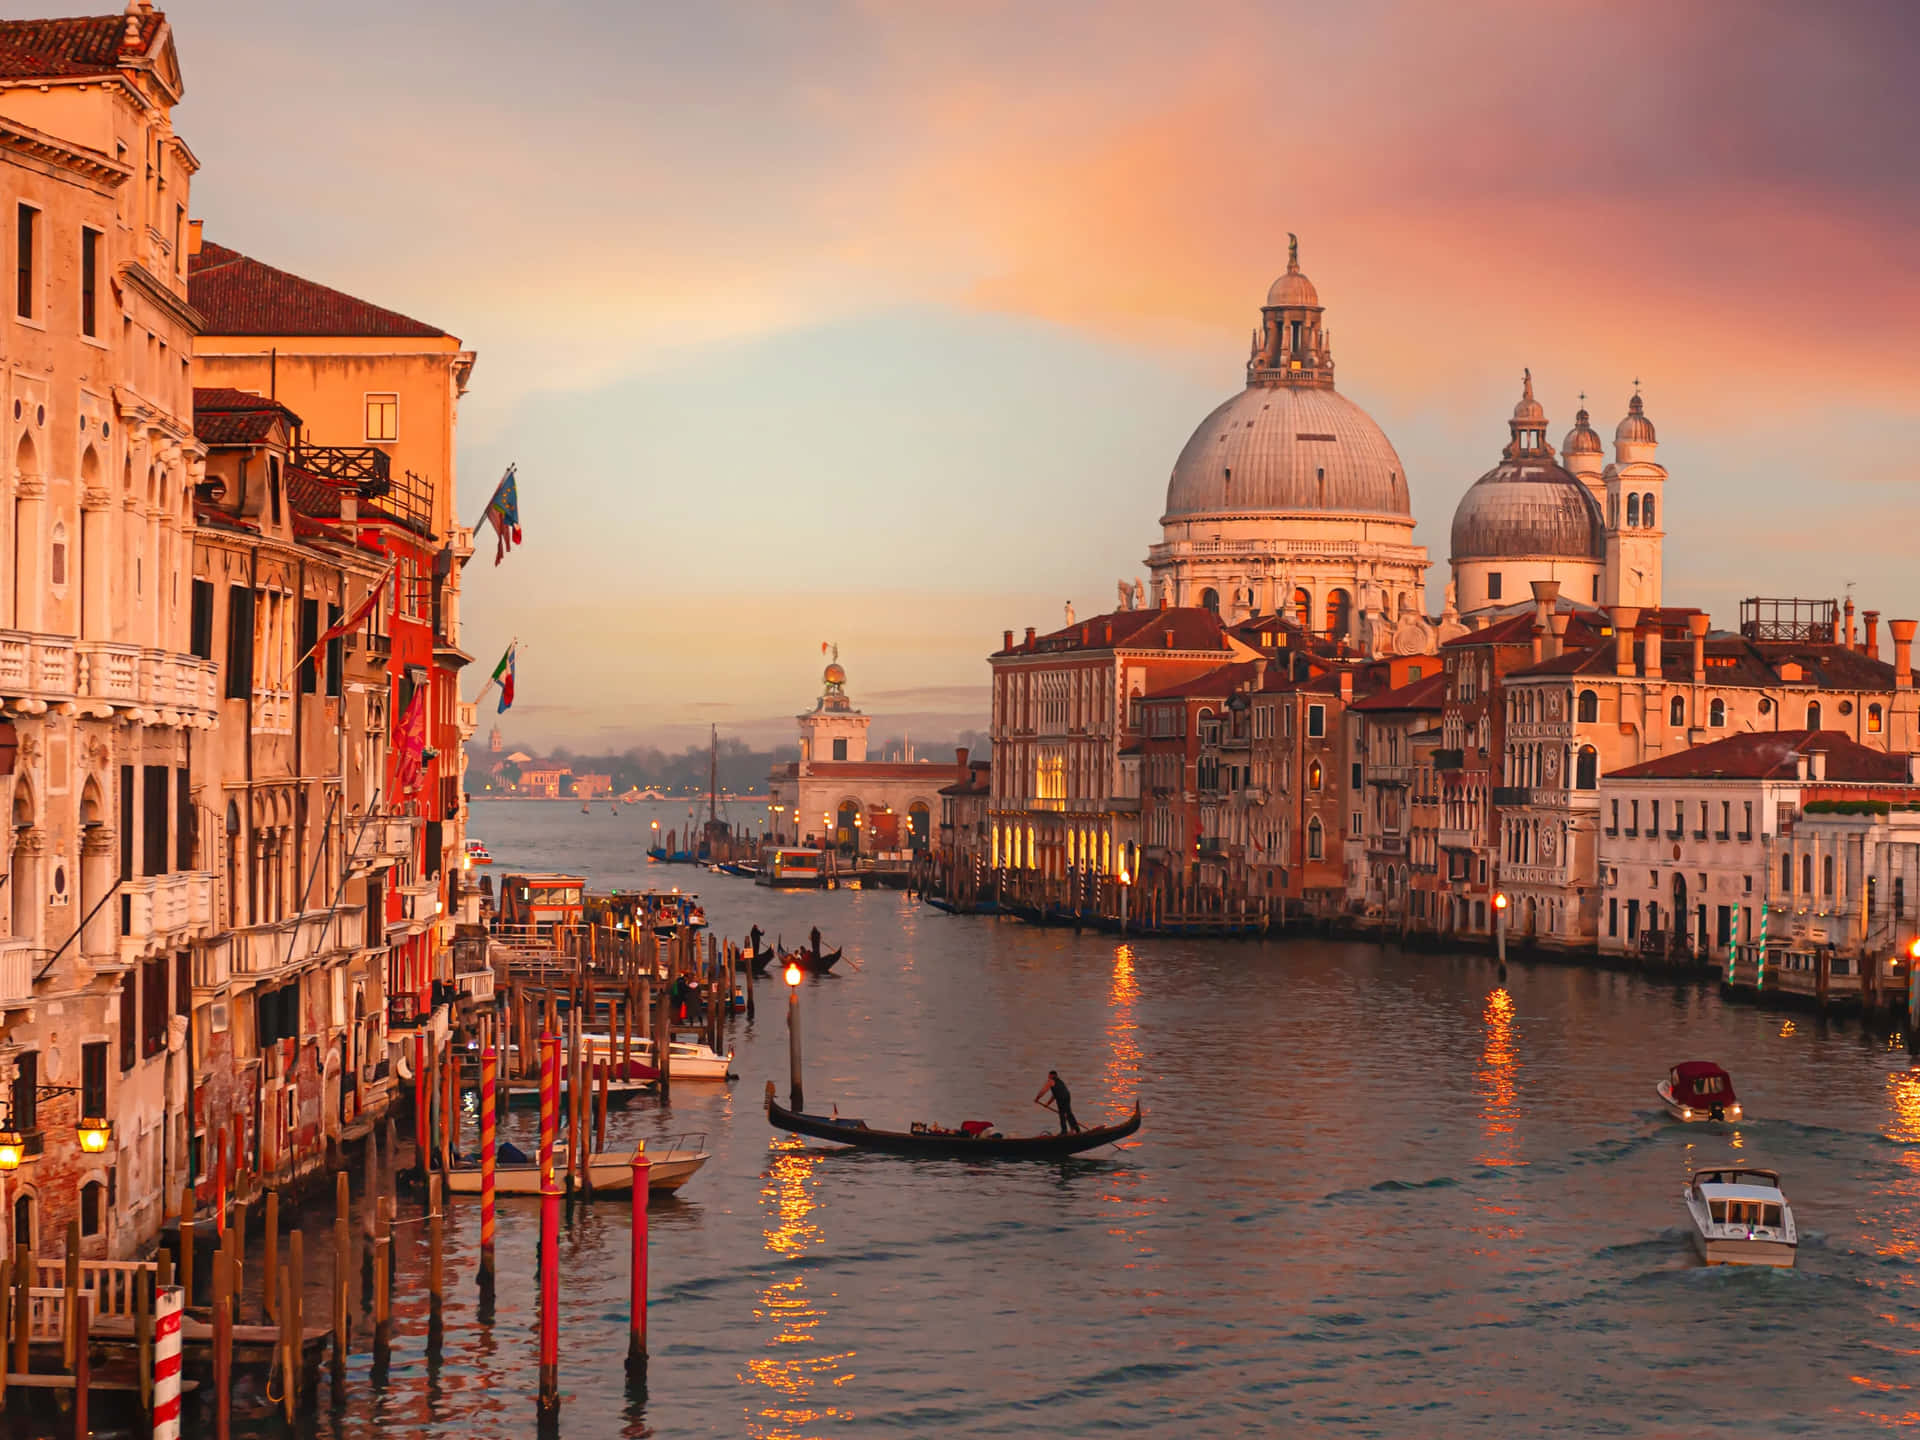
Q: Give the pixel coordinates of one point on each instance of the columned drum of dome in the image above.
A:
(1527, 519)
(1288, 498)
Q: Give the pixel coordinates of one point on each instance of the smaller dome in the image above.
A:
(1635, 429)
(1582, 439)
(1292, 290)
(1529, 410)
(835, 675)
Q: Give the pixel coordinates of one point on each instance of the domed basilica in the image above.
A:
(1290, 499)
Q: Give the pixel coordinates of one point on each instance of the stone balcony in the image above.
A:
(381, 840)
(37, 669)
(18, 960)
(104, 677)
(159, 913)
(264, 951)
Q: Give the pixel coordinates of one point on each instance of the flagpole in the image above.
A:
(512, 469)
(314, 649)
(512, 645)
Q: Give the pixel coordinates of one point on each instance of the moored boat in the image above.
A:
(477, 853)
(671, 1166)
(972, 1140)
(686, 1059)
(789, 866)
(1740, 1217)
(1699, 1090)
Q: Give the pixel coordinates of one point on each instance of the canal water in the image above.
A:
(1376, 1193)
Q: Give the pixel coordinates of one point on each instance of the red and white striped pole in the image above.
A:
(489, 1079)
(166, 1363)
(549, 1104)
(549, 1296)
(637, 1321)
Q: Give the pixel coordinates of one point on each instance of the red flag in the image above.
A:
(410, 743)
(357, 616)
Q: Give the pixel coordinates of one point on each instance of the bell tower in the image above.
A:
(1636, 506)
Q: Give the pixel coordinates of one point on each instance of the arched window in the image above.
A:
(1786, 874)
(1633, 511)
(93, 1208)
(1316, 846)
(1813, 715)
(1313, 776)
(57, 571)
(1339, 613)
(1873, 720)
(1646, 511)
(1826, 875)
(1806, 874)
(1589, 707)
(1587, 769)
(1303, 609)
(1677, 712)
(1210, 600)
(1717, 714)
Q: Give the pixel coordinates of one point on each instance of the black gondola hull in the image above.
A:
(950, 1147)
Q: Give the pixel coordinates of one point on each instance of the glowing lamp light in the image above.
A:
(12, 1149)
(1125, 877)
(792, 973)
(94, 1133)
(1500, 901)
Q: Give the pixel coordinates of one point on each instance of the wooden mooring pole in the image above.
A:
(489, 1078)
(222, 1347)
(549, 1404)
(342, 1275)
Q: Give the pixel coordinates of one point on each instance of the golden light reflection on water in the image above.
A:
(1896, 1231)
(1499, 1067)
(796, 1368)
(1123, 1030)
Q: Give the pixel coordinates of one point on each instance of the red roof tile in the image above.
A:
(1426, 694)
(239, 295)
(1193, 629)
(74, 46)
(1772, 755)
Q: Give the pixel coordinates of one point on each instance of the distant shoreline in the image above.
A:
(694, 800)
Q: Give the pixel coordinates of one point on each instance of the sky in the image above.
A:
(882, 323)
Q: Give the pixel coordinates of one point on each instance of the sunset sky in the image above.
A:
(883, 322)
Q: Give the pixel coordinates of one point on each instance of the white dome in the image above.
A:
(1278, 448)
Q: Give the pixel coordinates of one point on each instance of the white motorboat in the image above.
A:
(1740, 1217)
(686, 1059)
(1699, 1090)
(671, 1166)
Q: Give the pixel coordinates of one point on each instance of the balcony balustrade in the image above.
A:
(18, 960)
(36, 668)
(164, 912)
(289, 944)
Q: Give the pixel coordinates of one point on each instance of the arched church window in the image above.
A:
(1339, 613)
(1588, 709)
(1717, 714)
(1303, 610)
(1677, 712)
(1646, 511)
(1313, 776)
(1587, 769)
(1813, 715)
(1873, 720)
(1806, 874)
(1633, 511)
(1210, 600)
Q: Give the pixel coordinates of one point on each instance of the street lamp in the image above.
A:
(95, 1133)
(1500, 927)
(796, 1100)
(13, 1149)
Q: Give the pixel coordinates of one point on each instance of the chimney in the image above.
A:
(1902, 633)
(1259, 672)
(1625, 617)
(1546, 596)
(1849, 613)
(1169, 636)
(1557, 644)
(1346, 687)
(1650, 652)
(1872, 643)
(1029, 637)
(1818, 761)
(1699, 625)
(1006, 642)
(349, 507)
(1164, 601)
(960, 761)
(1800, 766)
(194, 227)
(1106, 633)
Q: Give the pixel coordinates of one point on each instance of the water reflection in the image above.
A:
(1499, 1065)
(1894, 1228)
(1123, 1029)
(795, 1368)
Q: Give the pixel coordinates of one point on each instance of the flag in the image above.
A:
(357, 616)
(410, 740)
(503, 513)
(503, 677)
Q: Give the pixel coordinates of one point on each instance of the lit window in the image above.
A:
(383, 417)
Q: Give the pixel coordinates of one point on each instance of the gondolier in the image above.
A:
(1062, 1101)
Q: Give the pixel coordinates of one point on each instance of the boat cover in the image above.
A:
(1693, 1084)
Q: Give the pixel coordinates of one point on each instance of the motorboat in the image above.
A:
(791, 866)
(478, 854)
(686, 1059)
(1699, 1090)
(1740, 1217)
(515, 1172)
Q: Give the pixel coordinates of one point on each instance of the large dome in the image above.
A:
(1288, 448)
(1528, 507)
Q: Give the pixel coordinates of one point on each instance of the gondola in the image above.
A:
(759, 960)
(972, 1142)
(809, 962)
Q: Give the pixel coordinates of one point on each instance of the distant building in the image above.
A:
(546, 782)
(589, 787)
(834, 795)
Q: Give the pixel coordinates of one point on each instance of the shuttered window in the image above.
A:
(309, 637)
(153, 822)
(201, 642)
(239, 642)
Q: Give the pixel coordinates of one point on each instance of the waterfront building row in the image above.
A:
(234, 869)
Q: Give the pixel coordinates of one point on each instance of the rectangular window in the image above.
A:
(129, 1016)
(200, 634)
(1633, 826)
(153, 820)
(26, 1092)
(1316, 721)
(1633, 919)
(840, 749)
(126, 822)
(1613, 827)
(25, 259)
(383, 417)
(336, 652)
(155, 1007)
(1356, 775)
(93, 1079)
(1493, 585)
(1746, 828)
(1656, 818)
(309, 638)
(1613, 916)
(89, 282)
(185, 828)
(239, 642)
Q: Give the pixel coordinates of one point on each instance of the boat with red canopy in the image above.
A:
(1699, 1090)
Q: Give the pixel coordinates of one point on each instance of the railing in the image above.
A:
(289, 943)
(1509, 796)
(1449, 759)
(38, 667)
(213, 964)
(380, 839)
(1452, 838)
(18, 960)
(109, 1283)
(165, 909)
